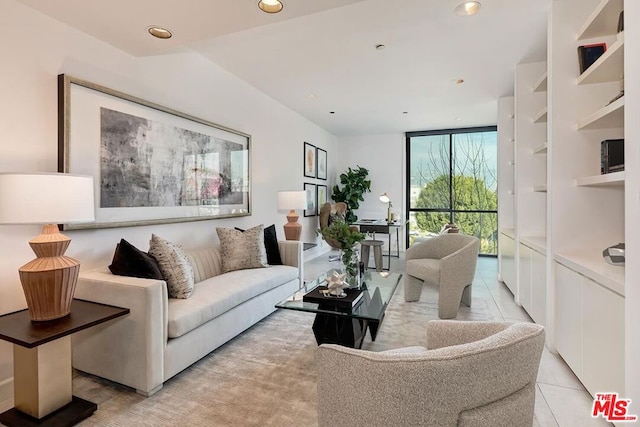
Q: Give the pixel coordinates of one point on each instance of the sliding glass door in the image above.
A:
(452, 178)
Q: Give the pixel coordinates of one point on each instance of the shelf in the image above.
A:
(590, 263)
(603, 21)
(615, 179)
(610, 116)
(608, 68)
(541, 117)
(509, 232)
(542, 149)
(537, 243)
(541, 84)
(540, 188)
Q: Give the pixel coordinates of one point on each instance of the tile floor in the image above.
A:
(561, 400)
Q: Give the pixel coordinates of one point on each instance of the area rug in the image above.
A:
(264, 377)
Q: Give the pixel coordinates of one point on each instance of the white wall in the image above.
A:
(35, 49)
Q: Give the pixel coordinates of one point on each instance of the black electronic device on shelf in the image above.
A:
(611, 155)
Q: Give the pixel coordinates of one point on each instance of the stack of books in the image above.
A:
(317, 295)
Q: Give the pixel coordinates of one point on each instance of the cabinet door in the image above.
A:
(524, 277)
(508, 262)
(568, 313)
(602, 339)
(538, 288)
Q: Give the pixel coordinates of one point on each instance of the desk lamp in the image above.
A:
(384, 198)
(49, 281)
(292, 200)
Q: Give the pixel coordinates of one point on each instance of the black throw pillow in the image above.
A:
(131, 261)
(270, 245)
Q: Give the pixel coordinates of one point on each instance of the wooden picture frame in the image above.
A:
(311, 191)
(321, 164)
(309, 160)
(150, 164)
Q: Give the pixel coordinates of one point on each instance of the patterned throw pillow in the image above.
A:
(174, 265)
(242, 249)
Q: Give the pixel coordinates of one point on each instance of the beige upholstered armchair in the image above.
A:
(473, 374)
(447, 261)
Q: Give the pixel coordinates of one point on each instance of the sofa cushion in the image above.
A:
(206, 262)
(215, 296)
(270, 245)
(131, 261)
(174, 265)
(426, 269)
(242, 249)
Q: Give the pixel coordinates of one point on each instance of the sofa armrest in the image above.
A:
(129, 350)
(291, 254)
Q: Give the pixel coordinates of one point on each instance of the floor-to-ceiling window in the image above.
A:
(452, 178)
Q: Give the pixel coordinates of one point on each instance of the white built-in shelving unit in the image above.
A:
(506, 192)
(566, 211)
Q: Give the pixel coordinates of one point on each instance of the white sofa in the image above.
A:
(162, 336)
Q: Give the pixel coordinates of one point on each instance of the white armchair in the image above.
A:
(473, 374)
(447, 261)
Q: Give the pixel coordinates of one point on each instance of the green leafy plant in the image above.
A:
(347, 237)
(354, 184)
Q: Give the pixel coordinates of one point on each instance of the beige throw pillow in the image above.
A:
(242, 249)
(174, 265)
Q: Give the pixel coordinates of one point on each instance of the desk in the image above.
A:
(42, 371)
(383, 227)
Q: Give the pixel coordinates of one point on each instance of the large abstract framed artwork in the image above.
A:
(309, 160)
(150, 164)
(310, 189)
(321, 169)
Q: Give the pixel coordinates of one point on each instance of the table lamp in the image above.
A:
(292, 200)
(49, 281)
(384, 198)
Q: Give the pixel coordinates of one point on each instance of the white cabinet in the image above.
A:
(508, 261)
(532, 282)
(590, 330)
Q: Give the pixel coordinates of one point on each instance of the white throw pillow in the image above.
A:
(174, 265)
(242, 249)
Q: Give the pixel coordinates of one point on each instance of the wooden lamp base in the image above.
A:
(49, 281)
(292, 229)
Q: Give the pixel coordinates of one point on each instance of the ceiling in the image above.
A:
(320, 56)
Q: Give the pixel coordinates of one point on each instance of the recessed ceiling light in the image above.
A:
(312, 95)
(405, 112)
(459, 81)
(270, 6)
(159, 32)
(380, 47)
(332, 112)
(467, 8)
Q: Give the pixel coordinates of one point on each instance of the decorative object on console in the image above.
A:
(132, 262)
(588, 54)
(384, 198)
(49, 281)
(354, 184)
(270, 6)
(449, 228)
(614, 255)
(177, 167)
(292, 200)
(311, 192)
(309, 160)
(174, 265)
(242, 249)
(611, 155)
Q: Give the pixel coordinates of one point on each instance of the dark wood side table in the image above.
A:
(42, 372)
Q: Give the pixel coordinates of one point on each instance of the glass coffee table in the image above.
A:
(348, 326)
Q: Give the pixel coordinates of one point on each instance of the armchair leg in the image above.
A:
(466, 295)
(412, 288)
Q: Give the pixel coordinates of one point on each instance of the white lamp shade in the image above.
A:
(291, 200)
(384, 198)
(46, 198)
